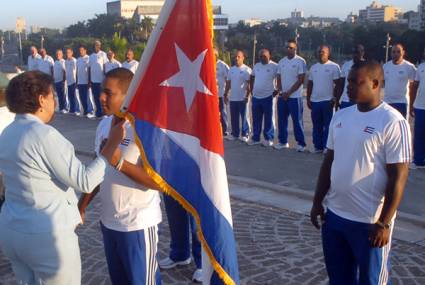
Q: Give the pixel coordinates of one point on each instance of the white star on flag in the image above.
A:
(188, 77)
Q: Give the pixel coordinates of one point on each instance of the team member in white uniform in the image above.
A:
(71, 80)
(33, 59)
(263, 86)
(130, 211)
(45, 62)
(112, 62)
(358, 55)
(238, 82)
(97, 62)
(222, 70)
(417, 110)
(130, 63)
(399, 74)
(322, 90)
(59, 78)
(291, 73)
(83, 82)
(363, 189)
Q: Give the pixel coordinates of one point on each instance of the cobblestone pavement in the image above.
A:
(274, 246)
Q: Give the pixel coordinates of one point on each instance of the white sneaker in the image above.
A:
(414, 166)
(168, 263)
(64, 111)
(280, 146)
(316, 151)
(244, 139)
(230, 138)
(267, 143)
(301, 148)
(90, 115)
(77, 113)
(197, 276)
(251, 142)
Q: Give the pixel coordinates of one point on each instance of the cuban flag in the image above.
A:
(173, 106)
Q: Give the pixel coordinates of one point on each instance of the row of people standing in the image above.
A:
(82, 74)
(326, 92)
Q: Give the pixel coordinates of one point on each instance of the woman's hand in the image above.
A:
(117, 133)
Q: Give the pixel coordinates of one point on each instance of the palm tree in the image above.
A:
(147, 26)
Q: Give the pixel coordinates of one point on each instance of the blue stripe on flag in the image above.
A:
(182, 173)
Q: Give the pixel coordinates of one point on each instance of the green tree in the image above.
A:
(147, 26)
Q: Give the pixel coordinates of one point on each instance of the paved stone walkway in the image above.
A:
(274, 246)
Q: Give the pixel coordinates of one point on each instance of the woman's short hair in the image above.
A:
(23, 91)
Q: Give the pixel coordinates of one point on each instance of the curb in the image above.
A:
(308, 195)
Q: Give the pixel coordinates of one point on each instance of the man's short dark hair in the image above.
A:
(83, 46)
(373, 68)
(123, 75)
(292, 41)
(399, 44)
(23, 91)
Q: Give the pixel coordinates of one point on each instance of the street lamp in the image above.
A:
(387, 46)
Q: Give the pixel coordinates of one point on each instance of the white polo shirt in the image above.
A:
(222, 69)
(358, 180)
(345, 71)
(110, 65)
(71, 71)
(289, 70)
(265, 79)
(58, 70)
(420, 77)
(82, 70)
(96, 64)
(239, 78)
(323, 76)
(126, 205)
(6, 117)
(397, 78)
(33, 62)
(45, 64)
(132, 65)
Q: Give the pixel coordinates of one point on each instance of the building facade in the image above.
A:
(127, 8)
(20, 26)
(422, 14)
(377, 12)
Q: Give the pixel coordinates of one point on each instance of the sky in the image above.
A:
(59, 14)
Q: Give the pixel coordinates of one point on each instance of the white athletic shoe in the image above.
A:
(77, 113)
(316, 151)
(197, 276)
(414, 166)
(252, 142)
(300, 148)
(168, 263)
(244, 139)
(267, 143)
(280, 146)
(90, 116)
(64, 111)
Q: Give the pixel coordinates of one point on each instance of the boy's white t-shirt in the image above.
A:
(265, 79)
(222, 69)
(363, 144)
(58, 70)
(239, 78)
(126, 205)
(71, 71)
(132, 65)
(110, 65)
(82, 70)
(420, 97)
(96, 64)
(289, 70)
(397, 78)
(45, 64)
(323, 76)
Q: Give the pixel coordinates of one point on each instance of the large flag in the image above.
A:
(173, 105)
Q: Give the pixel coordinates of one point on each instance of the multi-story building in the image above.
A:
(253, 22)
(221, 21)
(422, 14)
(413, 20)
(127, 8)
(377, 12)
(296, 14)
(20, 25)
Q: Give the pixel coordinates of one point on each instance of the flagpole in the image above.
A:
(148, 52)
